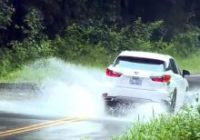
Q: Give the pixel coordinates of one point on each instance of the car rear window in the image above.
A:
(140, 63)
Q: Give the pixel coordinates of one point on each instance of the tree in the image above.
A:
(6, 12)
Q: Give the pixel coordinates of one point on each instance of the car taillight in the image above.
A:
(164, 78)
(111, 73)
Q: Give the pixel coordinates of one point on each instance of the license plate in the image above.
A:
(135, 81)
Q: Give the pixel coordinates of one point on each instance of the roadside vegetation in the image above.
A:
(96, 44)
(182, 126)
(27, 35)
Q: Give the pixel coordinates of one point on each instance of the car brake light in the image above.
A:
(111, 73)
(164, 78)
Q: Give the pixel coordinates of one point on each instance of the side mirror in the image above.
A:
(185, 72)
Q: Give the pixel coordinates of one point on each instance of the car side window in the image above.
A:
(179, 71)
(173, 66)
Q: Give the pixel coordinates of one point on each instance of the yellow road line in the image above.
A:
(39, 126)
(35, 125)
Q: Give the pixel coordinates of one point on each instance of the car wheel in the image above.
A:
(173, 101)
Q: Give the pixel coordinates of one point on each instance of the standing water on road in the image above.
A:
(72, 90)
(66, 90)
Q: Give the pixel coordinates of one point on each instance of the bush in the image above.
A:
(183, 126)
(93, 44)
(186, 43)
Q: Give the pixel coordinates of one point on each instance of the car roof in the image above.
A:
(149, 55)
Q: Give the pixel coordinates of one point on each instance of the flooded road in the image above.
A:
(68, 91)
(98, 127)
(22, 111)
(29, 108)
(95, 129)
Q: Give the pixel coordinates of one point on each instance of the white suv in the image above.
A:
(144, 76)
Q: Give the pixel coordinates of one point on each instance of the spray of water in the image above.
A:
(193, 97)
(70, 90)
(74, 91)
(65, 90)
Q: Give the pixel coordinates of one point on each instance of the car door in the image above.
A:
(179, 82)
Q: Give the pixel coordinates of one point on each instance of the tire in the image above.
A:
(118, 107)
(173, 101)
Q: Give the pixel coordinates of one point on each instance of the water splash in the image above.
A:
(65, 90)
(71, 90)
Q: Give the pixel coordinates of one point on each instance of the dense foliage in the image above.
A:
(56, 15)
(93, 44)
(93, 32)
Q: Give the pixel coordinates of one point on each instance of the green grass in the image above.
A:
(32, 72)
(191, 63)
(43, 69)
(182, 126)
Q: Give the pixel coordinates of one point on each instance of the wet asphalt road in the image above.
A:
(94, 129)
(99, 128)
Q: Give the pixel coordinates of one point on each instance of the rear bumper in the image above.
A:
(116, 100)
(137, 95)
